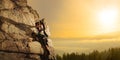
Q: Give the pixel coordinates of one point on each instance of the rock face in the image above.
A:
(16, 21)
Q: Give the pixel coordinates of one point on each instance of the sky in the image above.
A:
(79, 18)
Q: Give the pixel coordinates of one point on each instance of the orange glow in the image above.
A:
(79, 18)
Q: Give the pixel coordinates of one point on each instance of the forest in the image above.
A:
(111, 54)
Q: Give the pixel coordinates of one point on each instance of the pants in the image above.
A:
(43, 42)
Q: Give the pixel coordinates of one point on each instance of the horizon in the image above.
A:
(84, 46)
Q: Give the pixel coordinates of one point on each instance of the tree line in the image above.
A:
(111, 54)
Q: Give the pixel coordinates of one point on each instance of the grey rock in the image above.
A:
(16, 21)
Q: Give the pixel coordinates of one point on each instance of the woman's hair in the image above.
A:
(42, 21)
(37, 23)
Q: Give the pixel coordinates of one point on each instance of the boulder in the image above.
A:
(16, 21)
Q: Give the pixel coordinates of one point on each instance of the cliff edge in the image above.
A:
(16, 21)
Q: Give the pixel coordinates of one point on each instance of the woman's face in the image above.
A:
(39, 26)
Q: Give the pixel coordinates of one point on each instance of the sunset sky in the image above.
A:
(79, 18)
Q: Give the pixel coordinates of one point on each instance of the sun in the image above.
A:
(108, 20)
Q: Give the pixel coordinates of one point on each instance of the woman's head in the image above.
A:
(38, 25)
